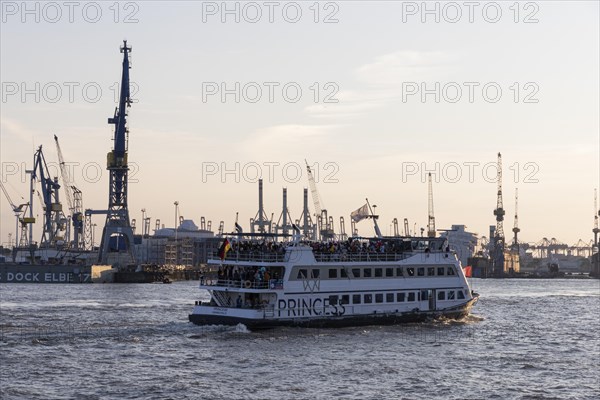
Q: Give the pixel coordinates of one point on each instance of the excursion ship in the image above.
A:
(377, 281)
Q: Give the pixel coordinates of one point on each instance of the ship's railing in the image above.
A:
(272, 284)
(251, 256)
(360, 257)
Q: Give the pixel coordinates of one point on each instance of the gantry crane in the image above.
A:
(75, 200)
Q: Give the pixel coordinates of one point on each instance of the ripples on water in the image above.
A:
(526, 339)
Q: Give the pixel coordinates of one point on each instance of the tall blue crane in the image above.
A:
(116, 246)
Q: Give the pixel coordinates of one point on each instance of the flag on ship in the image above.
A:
(238, 228)
(468, 270)
(225, 247)
(360, 214)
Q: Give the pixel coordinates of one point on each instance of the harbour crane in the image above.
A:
(396, 228)
(260, 222)
(20, 212)
(284, 223)
(596, 230)
(596, 257)
(305, 222)
(516, 229)
(74, 199)
(117, 235)
(342, 235)
(431, 217)
(498, 240)
(54, 219)
(325, 229)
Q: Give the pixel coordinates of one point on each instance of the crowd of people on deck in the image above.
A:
(354, 246)
(255, 277)
(257, 247)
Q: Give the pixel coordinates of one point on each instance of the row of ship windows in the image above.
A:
(393, 297)
(390, 272)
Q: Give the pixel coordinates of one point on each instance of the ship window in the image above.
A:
(333, 300)
(410, 271)
(399, 271)
(314, 273)
(421, 271)
(345, 299)
(356, 272)
(441, 270)
(441, 295)
(411, 296)
(451, 295)
(343, 273)
(450, 270)
(379, 298)
(378, 272)
(302, 274)
(461, 294)
(389, 272)
(356, 299)
(389, 297)
(424, 295)
(367, 272)
(401, 297)
(430, 271)
(333, 272)
(368, 298)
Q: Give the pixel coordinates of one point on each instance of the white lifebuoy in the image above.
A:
(247, 284)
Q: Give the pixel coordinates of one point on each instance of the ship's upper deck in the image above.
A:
(351, 250)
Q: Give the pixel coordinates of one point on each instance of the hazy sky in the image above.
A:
(372, 94)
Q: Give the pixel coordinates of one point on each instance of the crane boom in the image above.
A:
(431, 218)
(15, 208)
(74, 199)
(313, 190)
(65, 175)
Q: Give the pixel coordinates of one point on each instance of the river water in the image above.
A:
(526, 339)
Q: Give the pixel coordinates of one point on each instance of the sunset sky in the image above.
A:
(373, 94)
